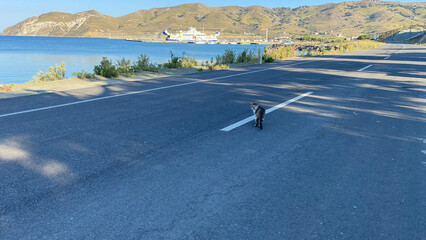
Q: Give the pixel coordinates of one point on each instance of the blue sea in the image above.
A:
(22, 57)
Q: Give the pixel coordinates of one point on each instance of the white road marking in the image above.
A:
(246, 120)
(362, 69)
(403, 47)
(148, 90)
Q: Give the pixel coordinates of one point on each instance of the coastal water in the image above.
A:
(22, 57)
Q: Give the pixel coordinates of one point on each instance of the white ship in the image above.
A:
(191, 36)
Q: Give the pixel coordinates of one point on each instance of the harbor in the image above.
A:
(193, 36)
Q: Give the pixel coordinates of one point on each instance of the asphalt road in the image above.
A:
(148, 160)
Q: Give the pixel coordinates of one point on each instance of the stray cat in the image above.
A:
(259, 112)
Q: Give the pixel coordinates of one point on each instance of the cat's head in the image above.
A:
(254, 105)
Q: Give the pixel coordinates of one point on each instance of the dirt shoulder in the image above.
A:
(24, 89)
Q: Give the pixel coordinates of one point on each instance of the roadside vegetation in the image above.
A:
(229, 57)
(309, 46)
(319, 48)
(83, 75)
(54, 73)
(106, 69)
(124, 67)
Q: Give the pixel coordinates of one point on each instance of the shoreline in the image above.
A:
(224, 41)
(31, 88)
(26, 89)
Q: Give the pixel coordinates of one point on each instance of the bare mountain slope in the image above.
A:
(348, 18)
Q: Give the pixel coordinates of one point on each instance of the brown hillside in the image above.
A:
(347, 18)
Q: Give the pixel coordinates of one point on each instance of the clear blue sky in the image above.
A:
(14, 11)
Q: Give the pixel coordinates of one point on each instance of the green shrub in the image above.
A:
(106, 69)
(267, 59)
(246, 57)
(224, 66)
(217, 66)
(143, 64)
(227, 58)
(55, 73)
(187, 62)
(82, 75)
(174, 62)
(213, 67)
(281, 53)
(180, 62)
(124, 67)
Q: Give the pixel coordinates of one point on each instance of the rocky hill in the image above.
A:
(347, 18)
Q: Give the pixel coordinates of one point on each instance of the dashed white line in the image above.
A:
(362, 69)
(403, 47)
(246, 120)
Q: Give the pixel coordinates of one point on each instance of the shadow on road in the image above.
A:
(92, 138)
